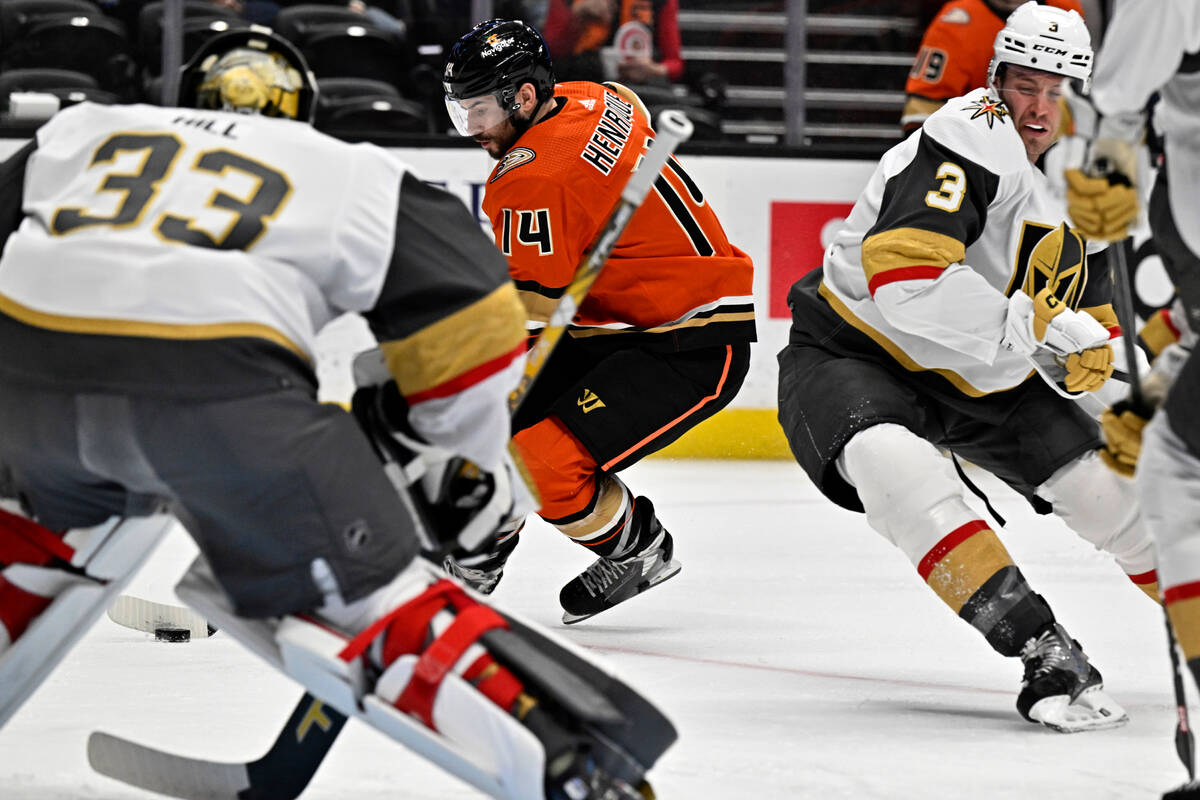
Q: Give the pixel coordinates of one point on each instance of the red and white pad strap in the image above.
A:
(404, 628)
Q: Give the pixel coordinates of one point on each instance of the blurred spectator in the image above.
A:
(955, 52)
(378, 17)
(635, 41)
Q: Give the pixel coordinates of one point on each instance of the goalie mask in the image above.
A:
(487, 66)
(1044, 38)
(251, 71)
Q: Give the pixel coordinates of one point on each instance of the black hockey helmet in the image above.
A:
(495, 58)
(252, 71)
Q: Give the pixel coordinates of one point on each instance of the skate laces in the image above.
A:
(601, 575)
(1053, 650)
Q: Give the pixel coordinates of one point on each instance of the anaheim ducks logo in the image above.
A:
(1053, 257)
(988, 108)
(512, 160)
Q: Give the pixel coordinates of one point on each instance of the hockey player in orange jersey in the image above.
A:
(955, 52)
(662, 341)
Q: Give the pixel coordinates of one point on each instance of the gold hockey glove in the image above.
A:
(1122, 425)
(1102, 208)
(1087, 371)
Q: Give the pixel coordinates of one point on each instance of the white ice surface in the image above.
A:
(798, 653)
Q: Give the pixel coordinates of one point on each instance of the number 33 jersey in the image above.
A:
(189, 224)
(673, 281)
(954, 220)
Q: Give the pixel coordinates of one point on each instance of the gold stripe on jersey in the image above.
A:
(908, 247)
(1185, 619)
(902, 358)
(966, 568)
(694, 322)
(153, 330)
(470, 337)
(1106, 315)
(916, 110)
(538, 307)
(630, 96)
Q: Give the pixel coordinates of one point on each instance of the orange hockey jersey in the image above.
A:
(954, 56)
(673, 281)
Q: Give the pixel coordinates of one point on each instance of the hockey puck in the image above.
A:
(172, 634)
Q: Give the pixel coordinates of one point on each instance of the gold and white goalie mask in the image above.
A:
(251, 82)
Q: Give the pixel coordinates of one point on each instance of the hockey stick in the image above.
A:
(282, 773)
(1184, 741)
(673, 128)
(168, 623)
(185, 777)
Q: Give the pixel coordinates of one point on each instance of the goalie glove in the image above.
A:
(1045, 323)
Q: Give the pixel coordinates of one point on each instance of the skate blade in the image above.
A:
(1093, 710)
(672, 569)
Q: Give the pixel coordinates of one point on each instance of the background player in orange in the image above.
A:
(955, 52)
(663, 339)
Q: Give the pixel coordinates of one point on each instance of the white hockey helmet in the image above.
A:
(1044, 38)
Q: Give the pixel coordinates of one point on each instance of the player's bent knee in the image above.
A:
(1101, 507)
(906, 485)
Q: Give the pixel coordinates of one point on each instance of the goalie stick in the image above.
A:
(285, 769)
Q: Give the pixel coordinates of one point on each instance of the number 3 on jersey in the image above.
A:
(159, 152)
(948, 196)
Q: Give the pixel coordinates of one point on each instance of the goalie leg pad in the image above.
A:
(105, 557)
(481, 694)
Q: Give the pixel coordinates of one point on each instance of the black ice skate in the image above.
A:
(610, 581)
(1061, 689)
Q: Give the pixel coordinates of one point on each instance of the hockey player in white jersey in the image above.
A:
(1162, 37)
(164, 273)
(954, 310)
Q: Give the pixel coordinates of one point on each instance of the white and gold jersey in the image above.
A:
(953, 221)
(290, 227)
(170, 225)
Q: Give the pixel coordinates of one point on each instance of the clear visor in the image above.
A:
(474, 115)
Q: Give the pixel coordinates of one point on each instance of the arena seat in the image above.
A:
(358, 106)
(201, 20)
(339, 43)
(90, 43)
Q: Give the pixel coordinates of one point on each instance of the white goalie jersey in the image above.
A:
(252, 232)
(954, 220)
(282, 248)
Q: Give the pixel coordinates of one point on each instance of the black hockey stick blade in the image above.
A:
(282, 773)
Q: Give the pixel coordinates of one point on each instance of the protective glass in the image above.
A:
(473, 115)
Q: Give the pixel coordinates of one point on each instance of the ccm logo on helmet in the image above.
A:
(1052, 50)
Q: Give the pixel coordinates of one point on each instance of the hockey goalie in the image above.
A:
(164, 273)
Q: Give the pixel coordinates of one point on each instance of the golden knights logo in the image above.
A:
(988, 108)
(1054, 257)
